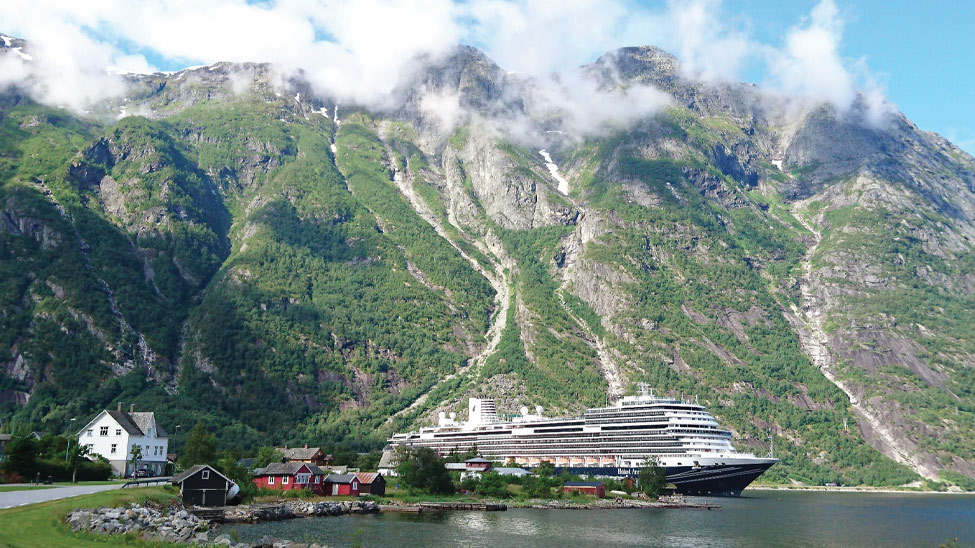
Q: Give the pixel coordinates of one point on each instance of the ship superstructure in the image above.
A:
(618, 440)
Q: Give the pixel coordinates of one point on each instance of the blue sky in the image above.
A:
(924, 53)
(917, 55)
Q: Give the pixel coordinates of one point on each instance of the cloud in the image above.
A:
(810, 66)
(356, 50)
(584, 106)
(709, 46)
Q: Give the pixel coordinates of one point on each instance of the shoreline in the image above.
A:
(876, 490)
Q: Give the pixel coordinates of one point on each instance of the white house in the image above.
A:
(112, 434)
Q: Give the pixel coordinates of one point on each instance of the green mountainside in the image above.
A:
(290, 269)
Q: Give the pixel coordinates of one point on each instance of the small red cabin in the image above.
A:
(287, 476)
(594, 488)
(342, 485)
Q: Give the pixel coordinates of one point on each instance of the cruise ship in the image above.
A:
(614, 441)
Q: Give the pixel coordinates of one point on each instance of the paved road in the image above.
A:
(10, 499)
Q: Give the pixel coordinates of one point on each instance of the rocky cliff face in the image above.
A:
(299, 268)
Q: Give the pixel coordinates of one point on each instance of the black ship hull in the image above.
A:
(725, 480)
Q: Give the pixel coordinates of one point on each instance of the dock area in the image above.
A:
(443, 507)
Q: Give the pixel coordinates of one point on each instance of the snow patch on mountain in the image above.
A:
(553, 169)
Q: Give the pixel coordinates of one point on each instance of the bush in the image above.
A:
(61, 471)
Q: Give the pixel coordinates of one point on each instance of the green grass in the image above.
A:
(43, 524)
(8, 488)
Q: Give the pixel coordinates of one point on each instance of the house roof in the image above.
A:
(287, 469)
(192, 470)
(146, 418)
(478, 460)
(5, 437)
(300, 453)
(368, 477)
(341, 478)
(126, 422)
(135, 424)
(512, 471)
(455, 466)
(583, 483)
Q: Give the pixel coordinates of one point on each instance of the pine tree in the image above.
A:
(200, 448)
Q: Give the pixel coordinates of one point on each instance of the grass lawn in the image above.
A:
(43, 524)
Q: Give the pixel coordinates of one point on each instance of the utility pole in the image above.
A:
(70, 433)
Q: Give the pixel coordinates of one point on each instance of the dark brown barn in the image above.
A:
(202, 485)
(373, 483)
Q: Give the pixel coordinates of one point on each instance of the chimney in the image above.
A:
(306, 446)
(286, 446)
(131, 408)
(119, 406)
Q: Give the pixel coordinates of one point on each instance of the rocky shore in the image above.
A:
(257, 513)
(166, 524)
(179, 525)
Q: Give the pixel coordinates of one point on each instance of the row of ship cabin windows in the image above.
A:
(300, 479)
(103, 431)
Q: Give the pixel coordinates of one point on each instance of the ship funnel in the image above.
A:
(524, 411)
(442, 415)
(538, 410)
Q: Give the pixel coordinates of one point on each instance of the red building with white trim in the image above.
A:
(288, 476)
(342, 485)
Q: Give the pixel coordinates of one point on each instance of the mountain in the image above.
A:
(284, 266)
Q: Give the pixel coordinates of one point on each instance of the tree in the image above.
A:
(200, 447)
(492, 486)
(422, 469)
(136, 453)
(652, 478)
(266, 455)
(545, 469)
(21, 451)
(369, 461)
(76, 455)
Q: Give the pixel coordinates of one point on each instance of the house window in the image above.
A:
(90, 447)
(270, 480)
(205, 474)
(118, 431)
(284, 480)
(90, 431)
(103, 431)
(149, 435)
(303, 478)
(114, 446)
(317, 479)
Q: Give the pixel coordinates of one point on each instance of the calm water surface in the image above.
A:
(768, 518)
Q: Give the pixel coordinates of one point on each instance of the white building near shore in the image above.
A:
(112, 434)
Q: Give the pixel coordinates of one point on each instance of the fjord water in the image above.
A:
(761, 518)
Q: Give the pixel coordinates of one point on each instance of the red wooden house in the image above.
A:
(594, 488)
(286, 476)
(342, 485)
